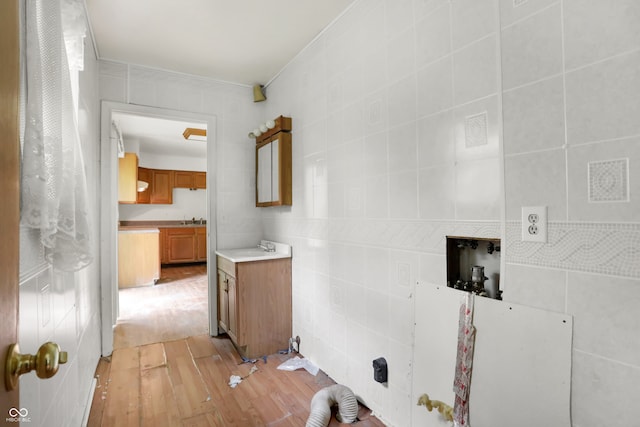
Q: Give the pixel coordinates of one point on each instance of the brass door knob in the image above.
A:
(45, 362)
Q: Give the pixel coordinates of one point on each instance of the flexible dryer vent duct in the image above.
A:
(322, 401)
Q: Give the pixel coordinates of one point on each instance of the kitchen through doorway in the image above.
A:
(160, 228)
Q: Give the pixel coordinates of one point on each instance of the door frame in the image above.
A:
(10, 182)
(109, 211)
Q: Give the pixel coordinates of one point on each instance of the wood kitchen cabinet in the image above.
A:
(201, 244)
(254, 304)
(189, 179)
(144, 197)
(183, 245)
(161, 187)
(164, 250)
(200, 180)
(128, 178)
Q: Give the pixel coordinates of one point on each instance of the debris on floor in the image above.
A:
(234, 380)
(297, 363)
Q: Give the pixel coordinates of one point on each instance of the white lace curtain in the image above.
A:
(54, 191)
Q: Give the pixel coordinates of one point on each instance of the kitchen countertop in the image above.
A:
(158, 224)
(138, 230)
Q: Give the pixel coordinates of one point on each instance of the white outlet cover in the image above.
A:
(534, 224)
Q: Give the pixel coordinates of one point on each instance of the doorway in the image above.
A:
(110, 217)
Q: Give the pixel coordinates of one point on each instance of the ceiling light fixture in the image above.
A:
(195, 134)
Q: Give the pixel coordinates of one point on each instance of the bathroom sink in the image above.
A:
(256, 253)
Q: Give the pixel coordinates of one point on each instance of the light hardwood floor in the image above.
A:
(176, 307)
(183, 381)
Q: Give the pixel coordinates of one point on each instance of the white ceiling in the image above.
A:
(159, 136)
(241, 41)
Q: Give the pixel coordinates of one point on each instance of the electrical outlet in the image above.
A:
(534, 224)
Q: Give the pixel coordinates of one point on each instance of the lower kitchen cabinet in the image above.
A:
(201, 244)
(254, 304)
(183, 245)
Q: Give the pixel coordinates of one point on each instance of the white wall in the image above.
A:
(383, 104)
(64, 307)
(238, 223)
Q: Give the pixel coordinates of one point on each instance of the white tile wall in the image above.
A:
(585, 23)
(537, 179)
(533, 117)
(601, 101)
(567, 101)
(532, 48)
(598, 382)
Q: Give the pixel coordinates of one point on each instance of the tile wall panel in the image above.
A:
(533, 117)
(605, 313)
(536, 179)
(601, 101)
(475, 70)
(532, 48)
(433, 36)
(471, 21)
(618, 187)
(586, 22)
(599, 381)
(509, 104)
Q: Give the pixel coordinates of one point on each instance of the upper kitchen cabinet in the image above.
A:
(273, 166)
(128, 178)
(189, 179)
(161, 187)
(144, 196)
(200, 180)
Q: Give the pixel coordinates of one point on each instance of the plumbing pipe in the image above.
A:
(445, 410)
(322, 401)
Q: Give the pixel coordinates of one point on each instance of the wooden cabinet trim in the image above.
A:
(285, 170)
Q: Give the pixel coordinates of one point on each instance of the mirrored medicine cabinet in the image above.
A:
(274, 166)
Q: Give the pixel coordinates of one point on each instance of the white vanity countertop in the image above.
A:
(256, 253)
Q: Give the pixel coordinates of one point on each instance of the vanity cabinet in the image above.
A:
(227, 304)
(254, 304)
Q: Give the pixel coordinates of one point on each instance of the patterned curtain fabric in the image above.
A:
(54, 189)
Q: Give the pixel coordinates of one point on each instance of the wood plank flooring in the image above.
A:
(176, 307)
(183, 382)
